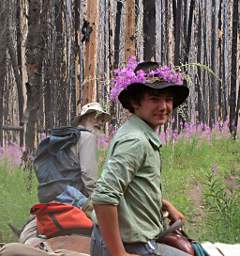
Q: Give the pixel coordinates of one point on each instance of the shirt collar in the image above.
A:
(148, 131)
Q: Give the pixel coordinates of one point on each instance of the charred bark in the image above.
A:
(117, 33)
(214, 65)
(177, 10)
(233, 95)
(149, 29)
(3, 52)
(34, 57)
(130, 47)
(188, 35)
(225, 62)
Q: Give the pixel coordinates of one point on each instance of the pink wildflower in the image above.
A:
(126, 76)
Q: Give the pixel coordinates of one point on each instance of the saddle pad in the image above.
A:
(72, 242)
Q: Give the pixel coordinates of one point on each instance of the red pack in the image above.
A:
(55, 219)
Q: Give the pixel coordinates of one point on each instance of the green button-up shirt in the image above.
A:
(131, 180)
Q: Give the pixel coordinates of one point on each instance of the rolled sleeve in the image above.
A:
(124, 160)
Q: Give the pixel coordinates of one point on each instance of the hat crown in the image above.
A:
(90, 107)
(146, 66)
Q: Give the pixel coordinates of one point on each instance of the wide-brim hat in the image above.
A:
(90, 108)
(180, 90)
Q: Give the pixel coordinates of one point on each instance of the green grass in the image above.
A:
(186, 182)
(186, 169)
(16, 198)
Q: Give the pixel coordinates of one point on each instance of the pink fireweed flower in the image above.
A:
(125, 76)
(12, 153)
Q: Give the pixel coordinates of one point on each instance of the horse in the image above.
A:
(81, 244)
(28, 236)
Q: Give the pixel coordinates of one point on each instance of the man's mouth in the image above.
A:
(162, 115)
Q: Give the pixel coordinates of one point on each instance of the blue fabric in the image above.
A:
(151, 248)
(56, 166)
(73, 196)
(63, 137)
(198, 249)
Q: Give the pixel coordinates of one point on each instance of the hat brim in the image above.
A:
(181, 92)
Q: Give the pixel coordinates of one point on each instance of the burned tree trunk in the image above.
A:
(3, 52)
(90, 29)
(117, 33)
(34, 57)
(202, 112)
(77, 36)
(225, 62)
(60, 66)
(214, 65)
(14, 52)
(49, 73)
(130, 47)
(188, 34)
(177, 14)
(233, 95)
(149, 29)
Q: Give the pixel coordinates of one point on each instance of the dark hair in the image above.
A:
(136, 93)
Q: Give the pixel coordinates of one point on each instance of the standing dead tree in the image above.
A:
(234, 107)
(149, 29)
(56, 56)
(90, 27)
(214, 65)
(34, 58)
(130, 45)
(3, 52)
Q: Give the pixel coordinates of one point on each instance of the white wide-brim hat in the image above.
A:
(90, 108)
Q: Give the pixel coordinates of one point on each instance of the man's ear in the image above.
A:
(135, 104)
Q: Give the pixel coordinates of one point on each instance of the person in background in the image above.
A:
(128, 197)
(92, 118)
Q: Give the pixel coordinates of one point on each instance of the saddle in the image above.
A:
(175, 236)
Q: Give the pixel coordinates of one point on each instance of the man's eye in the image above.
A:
(169, 99)
(154, 98)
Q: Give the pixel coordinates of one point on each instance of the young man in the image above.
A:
(128, 197)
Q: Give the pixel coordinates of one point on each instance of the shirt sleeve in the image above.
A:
(88, 161)
(125, 159)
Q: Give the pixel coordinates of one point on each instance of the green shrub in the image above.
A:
(186, 166)
(187, 182)
(222, 204)
(16, 198)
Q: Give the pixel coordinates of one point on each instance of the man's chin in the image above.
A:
(162, 122)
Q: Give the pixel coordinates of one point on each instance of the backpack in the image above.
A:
(56, 165)
(54, 219)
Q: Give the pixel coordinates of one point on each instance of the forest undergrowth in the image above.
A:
(201, 176)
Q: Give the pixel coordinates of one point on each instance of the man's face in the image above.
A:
(155, 109)
(95, 120)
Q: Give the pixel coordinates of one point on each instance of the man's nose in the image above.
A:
(162, 104)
